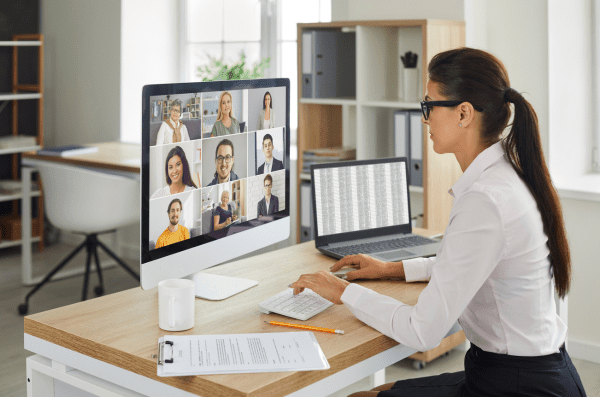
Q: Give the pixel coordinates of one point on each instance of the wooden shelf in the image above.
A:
(13, 243)
(16, 150)
(393, 104)
(12, 43)
(20, 96)
(341, 101)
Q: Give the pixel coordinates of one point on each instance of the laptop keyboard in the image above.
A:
(384, 245)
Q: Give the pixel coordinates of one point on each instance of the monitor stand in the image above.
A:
(217, 287)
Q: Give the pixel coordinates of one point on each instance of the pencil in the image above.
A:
(310, 328)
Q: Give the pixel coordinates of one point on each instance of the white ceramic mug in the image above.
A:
(176, 304)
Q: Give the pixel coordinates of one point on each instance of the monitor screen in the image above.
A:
(215, 163)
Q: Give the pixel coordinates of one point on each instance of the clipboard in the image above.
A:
(239, 354)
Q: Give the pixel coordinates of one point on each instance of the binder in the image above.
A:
(416, 148)
(307, 232)
(328, 64)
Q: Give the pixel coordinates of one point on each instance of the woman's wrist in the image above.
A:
(395, 270)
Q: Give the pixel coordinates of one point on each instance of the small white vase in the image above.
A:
(411, 85)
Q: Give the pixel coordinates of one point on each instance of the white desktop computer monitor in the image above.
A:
(215, 181)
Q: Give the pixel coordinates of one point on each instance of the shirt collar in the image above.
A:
(175, 124)
(484, 160)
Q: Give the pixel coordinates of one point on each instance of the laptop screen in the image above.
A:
(360, 196)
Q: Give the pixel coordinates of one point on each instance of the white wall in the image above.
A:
(149, 55)
(81, 70)
(517, 33)
(353, 10)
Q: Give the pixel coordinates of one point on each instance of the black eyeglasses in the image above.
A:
(427, 106)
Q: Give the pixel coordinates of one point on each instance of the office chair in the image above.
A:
(90, 203)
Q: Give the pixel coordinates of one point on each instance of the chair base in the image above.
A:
(91, 244)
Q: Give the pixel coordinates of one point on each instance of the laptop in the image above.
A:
(364, 207)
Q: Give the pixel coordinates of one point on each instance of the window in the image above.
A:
(259, 28)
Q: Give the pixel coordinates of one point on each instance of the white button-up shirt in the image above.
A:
(492, 272)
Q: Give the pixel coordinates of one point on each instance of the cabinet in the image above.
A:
(12, 191)
(194, 107)
(166, 109)
(366, 120)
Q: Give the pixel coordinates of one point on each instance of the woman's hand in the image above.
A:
(228, 221)
(234, 217)
(323, 283)
(368, 267)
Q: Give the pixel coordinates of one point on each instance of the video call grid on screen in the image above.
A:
(249, 175)
(360, 197)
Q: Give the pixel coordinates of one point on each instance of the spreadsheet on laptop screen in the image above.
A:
(360, 197)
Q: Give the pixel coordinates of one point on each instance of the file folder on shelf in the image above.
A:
(416, 148)
(328, 64)
(306, 213)
(408, 142)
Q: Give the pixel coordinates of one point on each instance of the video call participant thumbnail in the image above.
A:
(271, 164)
(267, 115)
(173, 130)
(223, 213)
(177, 171)
(226, 123)
(224, 158)
(270, 203)
(174, 232)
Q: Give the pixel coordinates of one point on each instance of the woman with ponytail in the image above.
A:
(503, 255)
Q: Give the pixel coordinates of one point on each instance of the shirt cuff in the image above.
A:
(352, 293)
(415, 270)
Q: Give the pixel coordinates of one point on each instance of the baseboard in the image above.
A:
(584, 350)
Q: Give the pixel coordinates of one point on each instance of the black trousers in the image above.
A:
(490, 374)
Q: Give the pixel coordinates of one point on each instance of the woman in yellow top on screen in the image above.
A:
(173, 130)
(267, 115)
(178, 174)
(226, 123)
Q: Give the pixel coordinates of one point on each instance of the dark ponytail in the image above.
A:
(480, 78)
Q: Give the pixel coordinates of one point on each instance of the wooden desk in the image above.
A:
(114, 156)
(111, 156)
(113, 337)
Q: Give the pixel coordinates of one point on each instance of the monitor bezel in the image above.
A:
(198, 87)
(324, 240)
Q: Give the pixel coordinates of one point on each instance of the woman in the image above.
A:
(223, 213)
(173, 130)
(226, 124)
(267, 115)
(177, 170)
(504, 245)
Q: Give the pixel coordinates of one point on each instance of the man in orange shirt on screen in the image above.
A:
(175, 232)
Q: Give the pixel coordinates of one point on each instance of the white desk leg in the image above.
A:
(26, 273)
(38, 383)
(378, 378)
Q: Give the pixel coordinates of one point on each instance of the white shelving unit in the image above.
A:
(366, 120)
(21, 190)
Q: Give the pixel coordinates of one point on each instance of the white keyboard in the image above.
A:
(302, 306)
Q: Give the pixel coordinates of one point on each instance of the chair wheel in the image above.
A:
(418, 365)
(23, 308)
(99, 290)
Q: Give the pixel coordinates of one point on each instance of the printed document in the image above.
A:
(240, 353)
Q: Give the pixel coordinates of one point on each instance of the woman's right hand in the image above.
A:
(228, 222)
(368, 267)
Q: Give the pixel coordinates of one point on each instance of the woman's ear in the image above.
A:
(466, 114)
